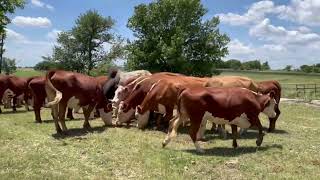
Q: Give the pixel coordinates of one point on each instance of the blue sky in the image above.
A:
(282, 32)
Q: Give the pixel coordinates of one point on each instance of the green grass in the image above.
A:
(34, 151)
(27, 72)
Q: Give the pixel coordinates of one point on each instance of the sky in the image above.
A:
(282, 32)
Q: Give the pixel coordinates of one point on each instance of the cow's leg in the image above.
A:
(223, 131)
(261, 134)
(213, 128)
(202, 130)
(55, 116)
(62, 113)
(194, 128)
(234, 135)
(37, 114)
(168, 116)
(272, 121)
(26, 102)
(172, 130)
(14, 108)
(69, 114)
(86, 112)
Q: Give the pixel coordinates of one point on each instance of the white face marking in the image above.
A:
(73, 102)
(269, 110)
(142, 119)
(118, 95)
(124, 117)
(241, 121)
(106, 117)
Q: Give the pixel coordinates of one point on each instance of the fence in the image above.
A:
(311, 91)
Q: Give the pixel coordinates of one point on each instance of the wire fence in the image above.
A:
(305, 91)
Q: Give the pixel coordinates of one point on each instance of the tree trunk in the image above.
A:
(1, 50)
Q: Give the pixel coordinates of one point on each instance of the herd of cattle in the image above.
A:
(129, 96)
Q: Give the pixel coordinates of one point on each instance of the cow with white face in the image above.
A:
(234, 106)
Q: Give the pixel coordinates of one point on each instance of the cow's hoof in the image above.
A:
(38, 122)
(87, 127)
(235, 145)
(259, 142)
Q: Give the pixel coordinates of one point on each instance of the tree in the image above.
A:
(251, 65)
(6, 6)
(288, 68)
(265, 66)
(9, 65)
(171, 35)
(232, 64)
(91, 31)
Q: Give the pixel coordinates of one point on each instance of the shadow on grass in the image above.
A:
(14, 112)
(51, 120)
(230, 152)
(77, 132)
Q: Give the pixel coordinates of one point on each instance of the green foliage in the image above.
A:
(288, 68)
(172, 36)
(231, 64)
(48, 65)
(251, 65)
(265, 66)
(83, 48)
(9, 65)
(315, 68)
(8, 6)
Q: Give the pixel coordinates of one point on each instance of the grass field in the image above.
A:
(34, 151)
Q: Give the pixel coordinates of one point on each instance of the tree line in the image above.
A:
(235, 64)
(315, 68)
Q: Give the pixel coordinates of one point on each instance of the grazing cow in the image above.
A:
(3, 86)
(234, 106)
(38, 94)
(125, 78)
(162, 96)
(87, 91)
(18, 86)
(266, 87)
(135, 93)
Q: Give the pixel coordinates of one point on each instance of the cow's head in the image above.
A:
(122, 116)
(104, 107)
(269, 105)
(120, 94)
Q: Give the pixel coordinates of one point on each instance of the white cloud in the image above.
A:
(238, 48)
(52, 35)
(278, 34)
(255, 13)
(14, 36)
(303, 12)
(23, 21)
(41, 4)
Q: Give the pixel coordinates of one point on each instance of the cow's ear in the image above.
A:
(272, 94)
(139, 109)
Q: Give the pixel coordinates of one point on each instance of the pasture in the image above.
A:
(33, 151)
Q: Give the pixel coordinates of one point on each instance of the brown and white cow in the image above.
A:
(61, 86)
(234, 106)
(17, 85)
(38, 93)
(266, 87)
(136, 94)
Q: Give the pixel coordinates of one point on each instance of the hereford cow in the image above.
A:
(136, 93)
(3, 86)
(18, 86)
(87, 91)
(234, 106)
(266, 87)
(125, 78)
(38, 94)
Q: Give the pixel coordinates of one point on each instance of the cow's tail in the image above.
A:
(51, 90)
